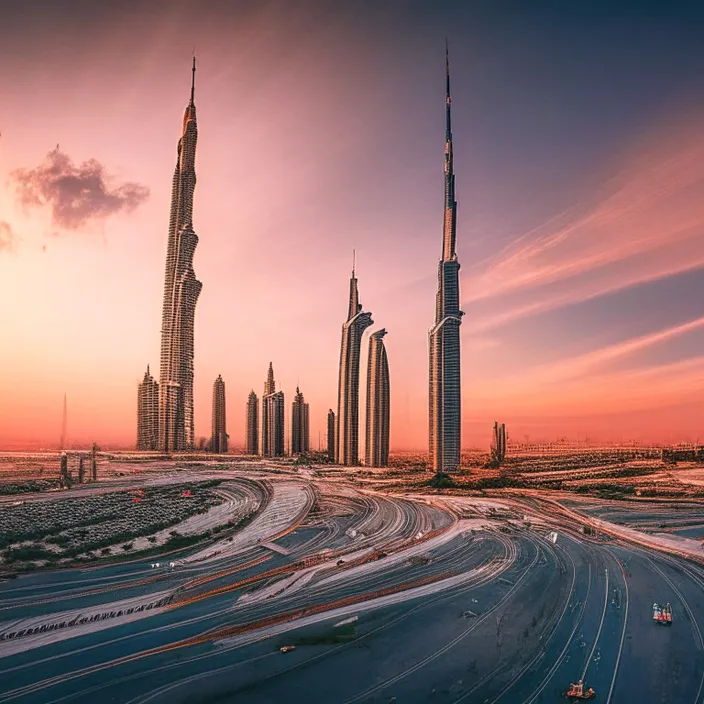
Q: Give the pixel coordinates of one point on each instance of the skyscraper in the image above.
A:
(498, 445)
(218, 441)
(378, 403)
(347, 419)
(300, 436)
(252, 433)
(331, 435)
(272, 418)
(181, 291)
(147, 413)
(445, 413)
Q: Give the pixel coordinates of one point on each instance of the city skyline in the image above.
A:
(581, 273)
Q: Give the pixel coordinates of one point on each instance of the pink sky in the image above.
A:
(295, 169)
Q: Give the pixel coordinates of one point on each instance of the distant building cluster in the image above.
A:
(165, 416)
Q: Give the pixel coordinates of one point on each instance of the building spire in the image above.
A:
(354, 261)
(193, 79)
(448, 100)
(450, 217)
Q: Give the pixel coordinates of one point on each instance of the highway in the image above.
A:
(387, 598)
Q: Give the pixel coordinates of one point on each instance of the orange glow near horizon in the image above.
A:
(288, 184)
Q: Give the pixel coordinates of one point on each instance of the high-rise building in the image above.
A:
(147, 413)
(252, 430)
(181, 291)
(445, 411)
(300, 436)
(218, 440)
(331, 435)
(378, 403)
(498, 445)
(347, 418)
(272, 418)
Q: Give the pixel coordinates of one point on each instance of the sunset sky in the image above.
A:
(579, 155)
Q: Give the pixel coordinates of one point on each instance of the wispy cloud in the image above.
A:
(75, 194)
(580, 383)
(649, 225)
(7, 236)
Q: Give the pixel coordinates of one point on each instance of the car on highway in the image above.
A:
(287, 648)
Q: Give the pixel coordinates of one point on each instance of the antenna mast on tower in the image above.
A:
(64, 425)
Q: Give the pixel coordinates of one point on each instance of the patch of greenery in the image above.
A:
(28, 486)
(440, 481)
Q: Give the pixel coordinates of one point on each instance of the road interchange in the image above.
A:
(452, 599)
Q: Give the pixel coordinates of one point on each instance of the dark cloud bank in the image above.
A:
(75, 194)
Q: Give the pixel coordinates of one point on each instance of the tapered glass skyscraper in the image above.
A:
(378, 403)
(181, 291)
(347, 418)
(445, 392)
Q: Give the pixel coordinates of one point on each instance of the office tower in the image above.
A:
(147, 413)
(498, 445)
(64, 474)
(378, 403)
(331, 435)
(269, 388)
(81, 470)
(272, 418)
(347, 418)
(218, 440)
(300, 437)
(445, 417)
(181, 291)
(252, 431)
(94, 463)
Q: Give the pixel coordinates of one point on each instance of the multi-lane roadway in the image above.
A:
(386, 597)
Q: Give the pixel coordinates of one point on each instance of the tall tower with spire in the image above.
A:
(445, 407)
(272, 417)
(181, 291)
(347, 418)
(64, 427)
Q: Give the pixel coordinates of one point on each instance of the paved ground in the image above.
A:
(386, 598)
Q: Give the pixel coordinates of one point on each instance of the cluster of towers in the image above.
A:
(343, 446)
(165, 408)
(270, 441)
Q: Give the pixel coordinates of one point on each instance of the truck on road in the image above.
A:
(577, 691)
(662, 614)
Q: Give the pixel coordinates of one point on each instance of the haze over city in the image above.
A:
(579, 160)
